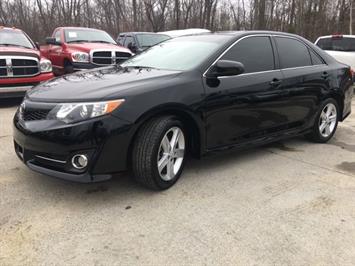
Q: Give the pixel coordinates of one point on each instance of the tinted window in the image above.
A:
(120, 39)
(255, 53)
(292, 53)
(128, 40)
(148, 40)
(316, 60)
(183, 53)
(337, 43)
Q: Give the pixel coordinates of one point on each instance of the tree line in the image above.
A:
(309, 18)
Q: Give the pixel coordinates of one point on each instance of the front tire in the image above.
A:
(68, 67)
(159, 152)
(326, 122)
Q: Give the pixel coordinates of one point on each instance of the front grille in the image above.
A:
(33, 115)
(16, 66)
(109, 57)
(120, 57)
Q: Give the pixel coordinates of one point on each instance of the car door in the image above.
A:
(305, 76)
(253, 104)
(55, 51)
(128, 42)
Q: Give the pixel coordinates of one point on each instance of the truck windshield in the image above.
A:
(148, 40)
(87, 35)
(344, 44)
(176, 54)
(14, 38)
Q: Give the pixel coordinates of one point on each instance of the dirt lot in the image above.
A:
(290, 203)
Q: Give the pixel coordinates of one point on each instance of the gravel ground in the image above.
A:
(289, 203)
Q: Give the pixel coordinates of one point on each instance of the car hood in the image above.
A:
(347, 58)
(87, 47)
(99, 84)
(18, 51)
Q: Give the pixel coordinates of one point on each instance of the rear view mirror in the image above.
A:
(225, 68)
(37, 45)
(52, 41)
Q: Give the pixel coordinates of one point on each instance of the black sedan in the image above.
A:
(189, 95)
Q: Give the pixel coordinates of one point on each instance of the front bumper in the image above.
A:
(15, 86)
(83, 66)
(46, 148)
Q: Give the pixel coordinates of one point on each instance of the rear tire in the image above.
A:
(159, 152)
(326, 122)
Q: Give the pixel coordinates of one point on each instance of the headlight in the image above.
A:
(80, 57)
(46, 66)
(76, 112)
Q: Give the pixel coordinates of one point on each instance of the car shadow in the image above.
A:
(122, 187)
(10, 102)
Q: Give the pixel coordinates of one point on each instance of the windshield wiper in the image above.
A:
(141, 67)
(78, 41)
(102, 42)
(12, 44)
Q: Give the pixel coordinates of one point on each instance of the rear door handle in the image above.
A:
(276, 82)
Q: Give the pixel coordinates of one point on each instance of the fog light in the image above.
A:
(79, 161)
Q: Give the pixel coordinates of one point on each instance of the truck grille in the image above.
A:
(108, 57)
(16, 66)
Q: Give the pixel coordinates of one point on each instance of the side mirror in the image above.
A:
(37, 45)
(133, 47)
(225, 68)
(53, 41)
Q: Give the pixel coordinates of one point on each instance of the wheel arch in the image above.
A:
(192, 123)
(340, 101)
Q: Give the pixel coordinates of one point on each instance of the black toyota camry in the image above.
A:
(189, 95)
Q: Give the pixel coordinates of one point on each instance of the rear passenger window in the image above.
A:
(316, 60)
(128, 40)
(255, 53)
(293, 53)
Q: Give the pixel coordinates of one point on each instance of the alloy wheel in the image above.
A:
(328, 120)
(171, 153)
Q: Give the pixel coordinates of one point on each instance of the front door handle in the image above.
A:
(276, 82)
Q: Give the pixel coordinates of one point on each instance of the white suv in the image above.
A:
(341, 47)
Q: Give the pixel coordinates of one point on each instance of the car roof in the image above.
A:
(183, 32)
(142, 32)
(78, 28)
(238, 34)
(331, 36)
(9, 28)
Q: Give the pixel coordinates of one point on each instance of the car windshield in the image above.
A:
(343, 44)
(14, 38)
(87, 35)
(176, 54)
(148, 40)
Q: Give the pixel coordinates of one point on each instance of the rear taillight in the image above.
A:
(352, 72)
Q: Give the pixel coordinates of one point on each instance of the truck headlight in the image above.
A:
(76, 112)
(45, 65)
(80, 57)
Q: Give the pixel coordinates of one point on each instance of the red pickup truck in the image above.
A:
(21, 65)
(75, 48)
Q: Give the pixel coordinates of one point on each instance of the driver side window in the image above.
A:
(57, 36)
(255, 53)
